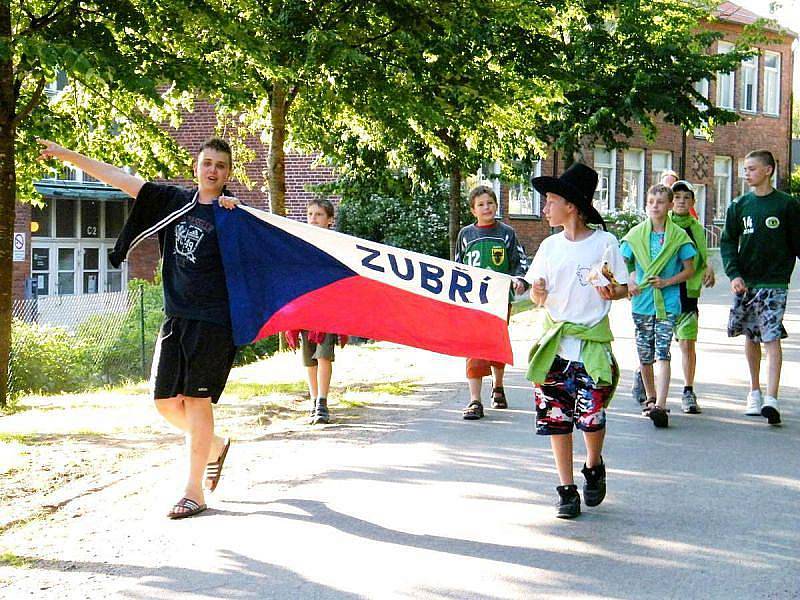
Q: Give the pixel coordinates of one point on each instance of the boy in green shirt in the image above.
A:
(686, 325)
(759, 245)
(489, 244)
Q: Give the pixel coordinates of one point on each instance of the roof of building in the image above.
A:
(733, 13)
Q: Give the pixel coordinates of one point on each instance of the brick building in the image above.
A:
(760, 91)
(66, 254)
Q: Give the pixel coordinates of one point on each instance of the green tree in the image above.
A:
(126, 76)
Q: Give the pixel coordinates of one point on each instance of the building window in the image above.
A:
(659, 163)
(722, 186)
(53, 88)
(700, 201)
(725, 81)
(523, 200)
(71, 255)
(741, 184)
(633, 181)
(772, 83)
(750, 84)
(605, 163)
(702, 88)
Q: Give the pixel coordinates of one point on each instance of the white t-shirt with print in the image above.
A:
(565, 265)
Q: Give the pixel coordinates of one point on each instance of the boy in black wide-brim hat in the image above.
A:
(575, 275)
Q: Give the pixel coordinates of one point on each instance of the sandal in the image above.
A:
(659, 417)
(214, 469)
(499, 397)
(473, 411)
(186, 507)
(647, 407)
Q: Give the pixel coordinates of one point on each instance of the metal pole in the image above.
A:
(141, 328)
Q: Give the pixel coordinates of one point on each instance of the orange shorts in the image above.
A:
(478, 367)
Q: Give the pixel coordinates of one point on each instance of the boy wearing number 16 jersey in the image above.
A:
(489, 244)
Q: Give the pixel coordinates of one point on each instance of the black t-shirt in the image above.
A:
(194, 280)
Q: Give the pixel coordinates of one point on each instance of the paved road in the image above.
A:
(440, 508)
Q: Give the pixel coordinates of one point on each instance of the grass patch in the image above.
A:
(10, 559)
(26, 439)
(395, 388)
(344, 402)
(245, 390)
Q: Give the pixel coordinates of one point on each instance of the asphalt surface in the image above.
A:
(436, 507)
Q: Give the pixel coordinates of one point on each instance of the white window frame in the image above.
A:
(656, 173)
(700, 201)
(726, 81)
(606, 183)
(722, 188)
(772, 85)
(79, 245)
(633, 172)
(526, 193)
(749, 77)
(703, 88)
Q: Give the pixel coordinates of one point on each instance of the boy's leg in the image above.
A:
(477, 369)
(475, 384)
(313, 377)
(688, 361)
(645, 348)
(594, 446)
(662, 383)
(174, 412)
(774, 353)
(200, 418)
(324, 372)
(562, 454)
(648, 379)
(752, 352)
(498, 373)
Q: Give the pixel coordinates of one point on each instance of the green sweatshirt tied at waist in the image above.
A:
(596, 354)
(694, 284)
(638, 239)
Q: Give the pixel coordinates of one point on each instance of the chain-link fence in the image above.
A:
(71, 343)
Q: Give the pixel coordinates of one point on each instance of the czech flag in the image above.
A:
(284, 275)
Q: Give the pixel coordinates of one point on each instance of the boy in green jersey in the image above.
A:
(491, 245)
(759, 245)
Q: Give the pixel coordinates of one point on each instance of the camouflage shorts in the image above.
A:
(653, 337)
(758, 313)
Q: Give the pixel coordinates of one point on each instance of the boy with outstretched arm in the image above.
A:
(686, 325)
(489, 244)
(659, 256)
(759, 245)
(194, 351)
(575, 275)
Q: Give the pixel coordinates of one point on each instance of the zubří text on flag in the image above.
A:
(283, 274)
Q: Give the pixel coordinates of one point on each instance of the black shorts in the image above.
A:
(192, 358)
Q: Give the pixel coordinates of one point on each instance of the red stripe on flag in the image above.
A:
(362, 307)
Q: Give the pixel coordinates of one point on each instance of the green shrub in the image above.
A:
(48, 359)
(620, 223)
(253, 352)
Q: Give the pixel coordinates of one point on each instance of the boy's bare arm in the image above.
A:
(109, 174)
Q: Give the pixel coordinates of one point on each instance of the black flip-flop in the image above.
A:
(214, 469)
(659, 417)
(193, 508)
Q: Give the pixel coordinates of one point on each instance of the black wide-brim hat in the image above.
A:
(576, 185)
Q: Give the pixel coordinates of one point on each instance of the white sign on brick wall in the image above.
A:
(19, 247)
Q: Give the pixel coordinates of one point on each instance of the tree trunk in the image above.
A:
(277, 161)
(454, 224)
(8, 195)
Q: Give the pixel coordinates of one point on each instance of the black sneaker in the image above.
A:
(569, 502)
(321, 414)
(594, 489)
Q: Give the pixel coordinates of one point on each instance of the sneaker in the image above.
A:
(321, 414)
(754, 402)
(689, 403)
(637, 390)
(594, 489)
(569, 502)
(770, 410)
